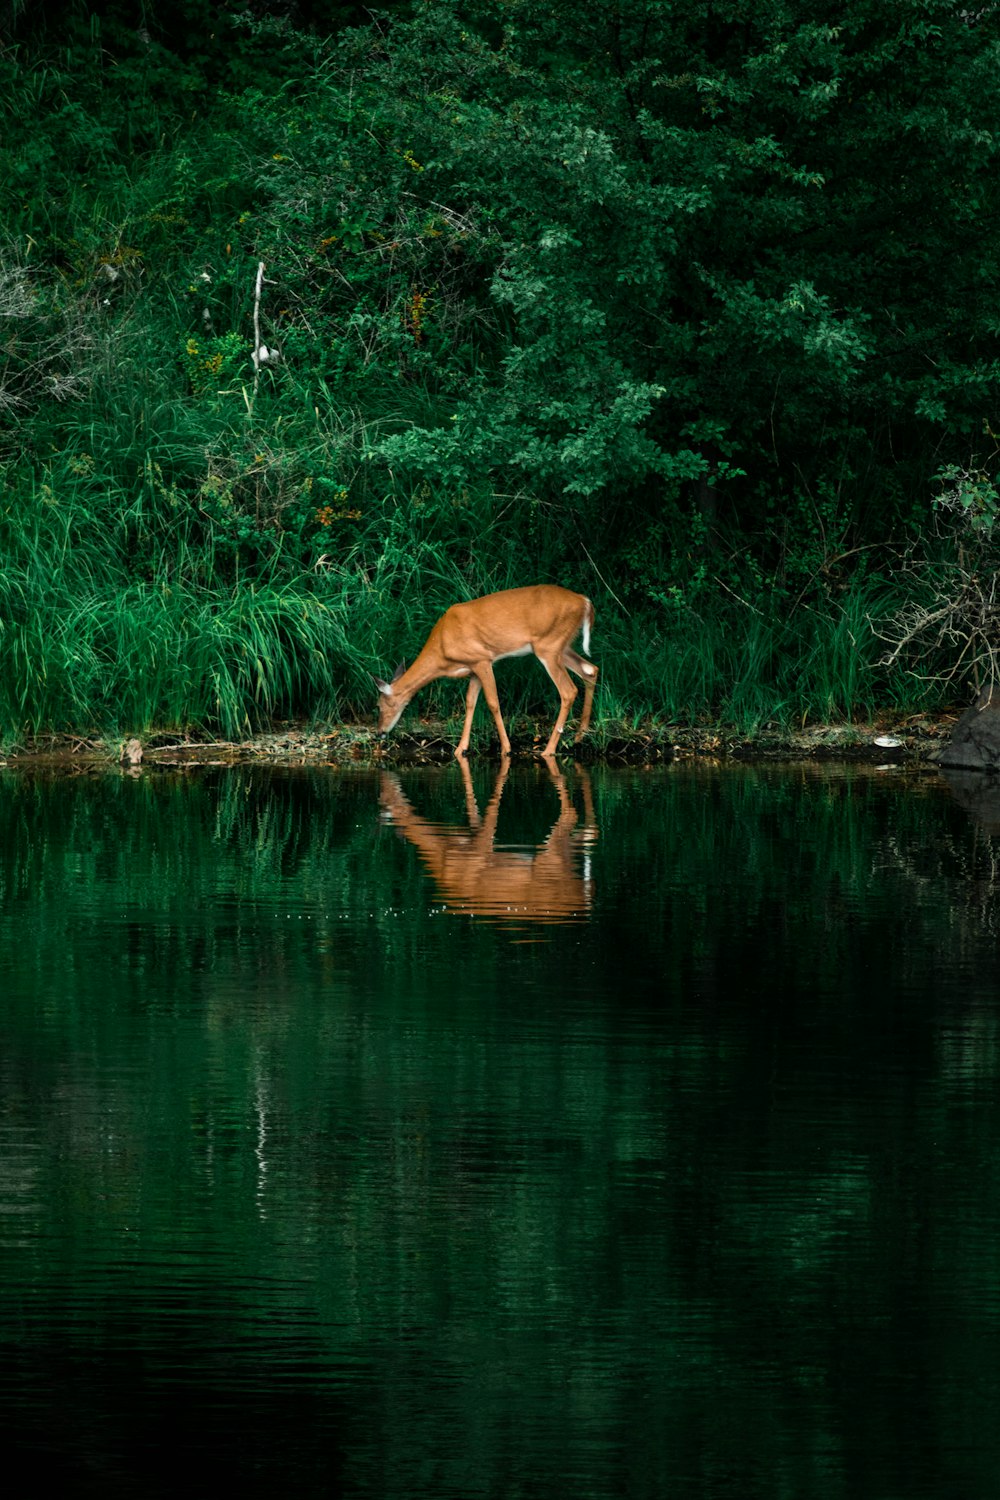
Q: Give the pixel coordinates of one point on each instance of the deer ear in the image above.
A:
(383, 687)
(399, 671)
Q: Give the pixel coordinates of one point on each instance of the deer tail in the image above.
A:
(588, 620)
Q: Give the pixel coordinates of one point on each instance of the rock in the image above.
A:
(975, 741)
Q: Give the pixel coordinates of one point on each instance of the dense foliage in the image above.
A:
(684, 304)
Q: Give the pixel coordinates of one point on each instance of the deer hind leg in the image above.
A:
(587, 673)
(567, 695)
(484, 671)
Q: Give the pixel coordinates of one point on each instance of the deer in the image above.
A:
(470, 637)
(551, 883)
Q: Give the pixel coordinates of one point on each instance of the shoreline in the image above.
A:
(887, 739)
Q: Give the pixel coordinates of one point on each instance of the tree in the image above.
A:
(732, 244)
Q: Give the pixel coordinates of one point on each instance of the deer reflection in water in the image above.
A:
(552, 883)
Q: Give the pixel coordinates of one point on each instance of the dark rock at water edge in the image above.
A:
(975, 741)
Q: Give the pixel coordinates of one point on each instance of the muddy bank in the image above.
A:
(912, 739)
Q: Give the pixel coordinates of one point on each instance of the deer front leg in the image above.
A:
(471, 699)
(484, 671)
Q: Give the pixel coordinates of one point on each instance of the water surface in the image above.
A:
(445, 1134)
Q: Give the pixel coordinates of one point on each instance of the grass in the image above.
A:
(84, 648)
(749, 667)
(158, 657)
(125, 611)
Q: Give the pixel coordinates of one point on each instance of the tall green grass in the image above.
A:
(748, 667)
(159, 657)
(89, 653)
(122, 611)
(118, 613)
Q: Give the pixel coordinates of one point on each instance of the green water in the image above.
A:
(626, 1135)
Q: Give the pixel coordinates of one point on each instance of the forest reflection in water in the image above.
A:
(315, 1174)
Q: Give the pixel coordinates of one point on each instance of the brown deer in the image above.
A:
(542, 620)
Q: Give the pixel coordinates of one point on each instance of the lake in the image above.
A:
(451, 1134)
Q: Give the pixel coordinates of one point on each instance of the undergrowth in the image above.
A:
(88, 642)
